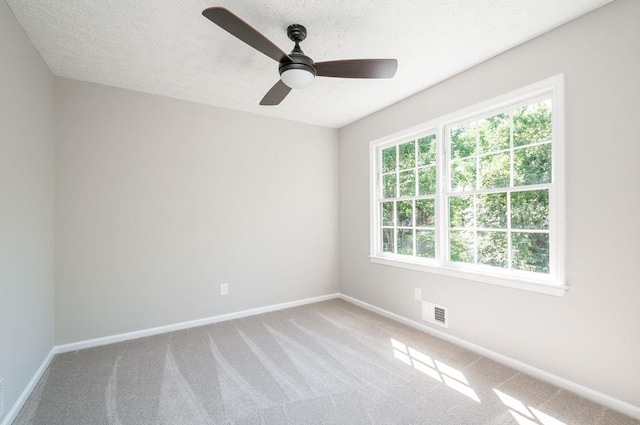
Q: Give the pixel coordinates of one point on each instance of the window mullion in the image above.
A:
(397, 171)
(413, 228)
(377, 216)
(415, 193)
(509, 241)
(475, 197)
(442, 185)
(475, 229)
(511, 185)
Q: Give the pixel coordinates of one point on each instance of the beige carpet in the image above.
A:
(324, 363)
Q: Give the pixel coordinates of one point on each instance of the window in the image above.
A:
(407, 206)
(476, 194)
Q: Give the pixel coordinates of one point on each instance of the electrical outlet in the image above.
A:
(224, 288)
(417, 293)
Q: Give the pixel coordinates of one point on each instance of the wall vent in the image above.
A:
(436, 314)
(1, 397)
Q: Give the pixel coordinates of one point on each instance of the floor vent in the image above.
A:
(436, 314)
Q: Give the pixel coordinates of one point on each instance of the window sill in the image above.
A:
(510, 282)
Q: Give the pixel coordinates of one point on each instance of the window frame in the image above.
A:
(553, 283)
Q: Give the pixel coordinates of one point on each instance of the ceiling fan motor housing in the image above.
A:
(299, 61)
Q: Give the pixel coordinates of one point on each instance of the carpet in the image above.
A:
(324, 363)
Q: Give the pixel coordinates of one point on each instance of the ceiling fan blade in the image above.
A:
(243, 31)
(358, 68)
(276, 95)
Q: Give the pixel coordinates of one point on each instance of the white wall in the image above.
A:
(158, 201)
(26, 208)
(592, 335)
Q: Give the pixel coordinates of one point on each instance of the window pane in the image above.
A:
(493, 249)
(408, 183)
(495, 133)
(427, 180)
(407, 155)
(387, 240)
(494, 171)
(426, 243)
(463, 175)
(405, 213)
(532, 165)
(389, 186)
(530, 209)
(461, 246)
(492, 211)
(389, 159)
(427, 150)
(386, 213)
(532, 124)
(461, 211)
(405, 241)
(530, 252)
(463, 141)
(425, 213)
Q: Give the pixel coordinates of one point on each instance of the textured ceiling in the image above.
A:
(167, 47)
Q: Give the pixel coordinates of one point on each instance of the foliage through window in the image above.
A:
(498, 198)
(407, 209)
(477, 193)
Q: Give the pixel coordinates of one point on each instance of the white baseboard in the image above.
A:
(593, 395)
(96, 342)
(15, 409)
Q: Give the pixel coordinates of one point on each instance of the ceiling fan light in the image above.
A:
(297, 78)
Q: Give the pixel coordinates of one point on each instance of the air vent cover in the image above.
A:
(436, 314)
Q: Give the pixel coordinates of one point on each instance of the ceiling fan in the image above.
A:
(296, 69)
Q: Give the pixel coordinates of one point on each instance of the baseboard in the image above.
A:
(15, 409)
(96, 342)
(588, 393)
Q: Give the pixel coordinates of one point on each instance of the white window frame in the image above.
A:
(553, 283)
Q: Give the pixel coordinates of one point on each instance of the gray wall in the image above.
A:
(26, 208)
(591, 336)
(158, 201)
